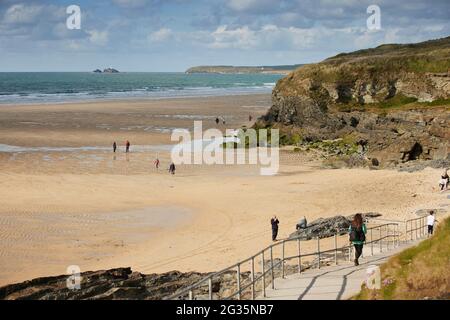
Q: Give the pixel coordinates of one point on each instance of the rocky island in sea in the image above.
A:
(107, 70)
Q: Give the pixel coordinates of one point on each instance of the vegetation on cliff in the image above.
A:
(417, 71)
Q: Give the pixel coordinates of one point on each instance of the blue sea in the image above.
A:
(59, 87)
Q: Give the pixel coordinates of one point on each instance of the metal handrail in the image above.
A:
(254, 279)
(415, 232)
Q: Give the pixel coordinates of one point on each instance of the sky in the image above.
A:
(173, 35)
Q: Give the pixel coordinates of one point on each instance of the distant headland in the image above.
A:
(282, 69)
(107, 70)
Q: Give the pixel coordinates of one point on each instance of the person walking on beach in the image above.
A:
(430, 222)
(274, 222)
(156, 163)
(172, 168)
(250, 118)
(357, 232)
(127, 146)
(114, 147)
(443, 183)
(217, 120)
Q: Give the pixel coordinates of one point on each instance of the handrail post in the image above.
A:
(422, 224)
(299, 257)
(406, 231)
(210, 288)
(239, 281)
(271, 266)
(415, 223)
(388, 236)
(282, 260)
(381, 245)
(423, 227)
(263, 275)
(396, 235)
(371, 241)
(335, 249)
(350, 252)
(253, 278)
(318, 252)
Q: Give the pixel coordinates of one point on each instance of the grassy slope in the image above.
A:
(379, 65)
(417, 273)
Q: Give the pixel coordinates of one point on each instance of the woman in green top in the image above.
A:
(357, 232)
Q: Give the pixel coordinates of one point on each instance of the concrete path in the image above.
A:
(329, 282)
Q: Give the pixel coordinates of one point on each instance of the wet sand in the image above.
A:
(98, 210)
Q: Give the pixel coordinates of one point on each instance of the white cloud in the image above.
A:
(22, 14)
(98, 37)
(242, 38)
(131, 3)
(252, 5)
(161, 35)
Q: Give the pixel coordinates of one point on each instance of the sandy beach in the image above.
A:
(66, 199)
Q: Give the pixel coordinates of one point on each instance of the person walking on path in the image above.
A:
(127, 146)
(114, 147)
(430, 222)
(357, 232)
(274, 222)
(156, 162)
(172, 168)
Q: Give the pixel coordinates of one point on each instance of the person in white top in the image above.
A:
(430, 222)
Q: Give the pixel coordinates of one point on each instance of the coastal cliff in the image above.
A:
(393, 99)
(285, 69)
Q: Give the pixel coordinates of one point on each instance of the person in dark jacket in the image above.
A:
(114, 147)
(127, 146)
(357, 232)
(274, 222)
(172, 168)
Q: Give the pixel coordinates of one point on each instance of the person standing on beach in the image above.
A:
(114, 147)
(357, 232)
(443, 183)
(250, 118)
(430, 222)
(127, 146)
(157, 163)
(217, 120)
(274, 222)
(172, 168)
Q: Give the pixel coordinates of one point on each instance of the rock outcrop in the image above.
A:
(327, 227)
(394, 98)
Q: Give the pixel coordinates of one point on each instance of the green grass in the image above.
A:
(416, 273)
